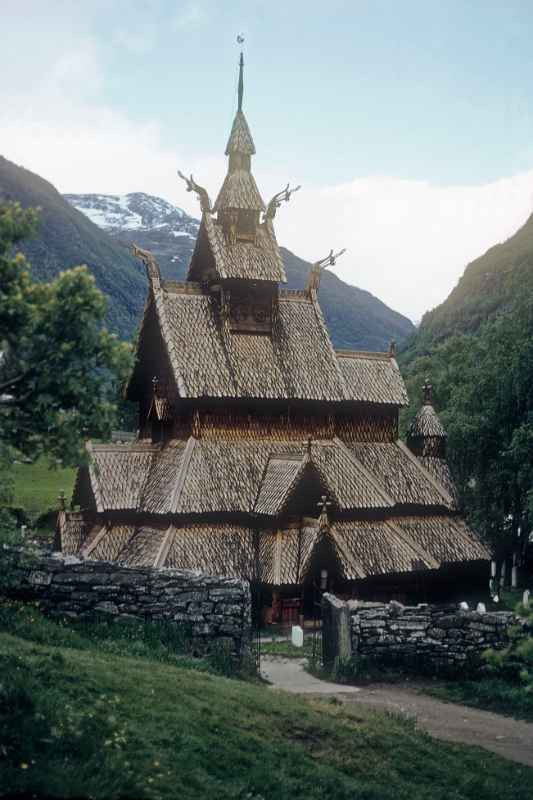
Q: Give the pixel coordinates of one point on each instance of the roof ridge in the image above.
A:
(166, 335)
(408, 539)
(377, 486)
(182, 473)
(434, 482)
(94, 478)
(164, 547)
(369, 354)
(327, 338)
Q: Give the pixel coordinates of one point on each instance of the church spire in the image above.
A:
(241, 82)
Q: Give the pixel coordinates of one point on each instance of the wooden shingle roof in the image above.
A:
(363, 548)
(372, 377)
(209, 476)
(240, 139)
(239, 191)
(258, 261)
(401, 474)
(208, 360)
(427, 424)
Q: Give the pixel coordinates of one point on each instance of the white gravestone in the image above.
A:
(525, 598)
(297, 636)
(481, 608)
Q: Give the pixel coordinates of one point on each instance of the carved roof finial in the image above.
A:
(155, 385)
(392, 348)
(277, 200)
(152, 269)
(427, 390)
(61, 501)
(192, 186)
(313, 282)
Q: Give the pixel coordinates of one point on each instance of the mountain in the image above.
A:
(98, 230)
(150, 222)
(488, 286)
(67, 238)
(356, 319)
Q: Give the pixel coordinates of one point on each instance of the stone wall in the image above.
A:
(426, 638)
(212, 610)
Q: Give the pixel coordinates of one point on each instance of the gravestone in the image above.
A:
(297, 636)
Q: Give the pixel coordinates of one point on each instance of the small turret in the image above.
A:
(426, 436)
(426, 439)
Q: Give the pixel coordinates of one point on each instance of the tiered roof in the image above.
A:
(296, 362)
(206, 476)
(260, 422)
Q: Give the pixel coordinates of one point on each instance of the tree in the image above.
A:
(484, 392)
(59, 367)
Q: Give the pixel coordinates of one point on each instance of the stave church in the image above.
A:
(262, 451)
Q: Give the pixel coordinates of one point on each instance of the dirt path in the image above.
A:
(507, 737)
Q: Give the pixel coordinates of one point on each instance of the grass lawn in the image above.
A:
(491, 694)
(286, 649)
(79, 721)
(38, 485)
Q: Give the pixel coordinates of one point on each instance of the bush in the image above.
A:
(515, 662)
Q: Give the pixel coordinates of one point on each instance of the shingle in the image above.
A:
(240, 139)
(372, 378)
(446, 539)
(209, 360)
(118, 474)
(218, 549)
(352, 485)
(367, 548)
(438, 468)
(400, 474)
(259, 260)
(277, 482)
(162, 477)
(427, 423)
(239, 191)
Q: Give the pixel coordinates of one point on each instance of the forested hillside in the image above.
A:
(66, 238)
(489, 285)
(477, 350)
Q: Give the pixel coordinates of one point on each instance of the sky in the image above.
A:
(409, 125)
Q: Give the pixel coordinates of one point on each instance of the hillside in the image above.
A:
(67, 238)
(489, 285)
(85, 714)
(356, 319)
(477, 350)
(98, 230)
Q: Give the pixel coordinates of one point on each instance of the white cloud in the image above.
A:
(408, 241)
(192, 14)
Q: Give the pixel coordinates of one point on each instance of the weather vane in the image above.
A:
(240, 38)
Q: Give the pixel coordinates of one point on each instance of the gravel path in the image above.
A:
(510, 738)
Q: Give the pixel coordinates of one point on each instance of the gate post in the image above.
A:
(336, 635)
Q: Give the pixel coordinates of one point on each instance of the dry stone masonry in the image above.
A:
(430, 638)
(214, 610)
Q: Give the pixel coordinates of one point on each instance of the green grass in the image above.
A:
(491, 694)
(286, 649)
(77, 721)
(38, 485)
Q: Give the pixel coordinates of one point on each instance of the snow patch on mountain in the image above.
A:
(136, 211)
